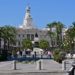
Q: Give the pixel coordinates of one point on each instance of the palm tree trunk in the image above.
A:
(0, 43)
(0, 39)
(51, 37)
(5, 48)
(8, 45)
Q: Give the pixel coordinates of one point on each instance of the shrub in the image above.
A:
(3, 57)
(58, 56)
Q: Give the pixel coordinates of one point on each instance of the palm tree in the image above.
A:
(0, 35)
(9, 35)
(50, 33)
(58, 26)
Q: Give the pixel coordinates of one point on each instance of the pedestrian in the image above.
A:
(49, 54)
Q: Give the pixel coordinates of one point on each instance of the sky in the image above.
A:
(12, 12)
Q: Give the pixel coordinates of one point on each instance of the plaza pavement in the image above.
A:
(49, 67)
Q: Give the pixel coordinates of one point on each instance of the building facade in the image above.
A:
(28, 31)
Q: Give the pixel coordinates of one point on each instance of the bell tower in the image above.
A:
(28, 22)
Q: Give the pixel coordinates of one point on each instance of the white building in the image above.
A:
(29, 31)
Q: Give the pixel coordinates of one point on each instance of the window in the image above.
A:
(23, 35)
(32, 37)
(19, 35)
(28, 36)
(36, 35)
(19, 43)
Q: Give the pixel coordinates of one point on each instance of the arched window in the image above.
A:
(36, 35)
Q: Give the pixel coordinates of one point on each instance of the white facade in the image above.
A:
(31, 34)
(28, 30)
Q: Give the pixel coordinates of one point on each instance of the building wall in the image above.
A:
(30, 34)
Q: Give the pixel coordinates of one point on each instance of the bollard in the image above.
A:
(14, 64)
(39, 67)
(63, 65)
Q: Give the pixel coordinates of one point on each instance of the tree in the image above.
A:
(8, 33)
(1, 32)
(59, 26)
(58, 55)
(66, 46)
(27, 44)
(50, 32)
(43, 44)
(11, 35)
(70, 36)
(58, 34)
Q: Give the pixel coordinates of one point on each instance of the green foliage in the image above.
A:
(43, 44)
(69, 41)
(58, 55)
(27, 44)
(8, 34)
(57, 34)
